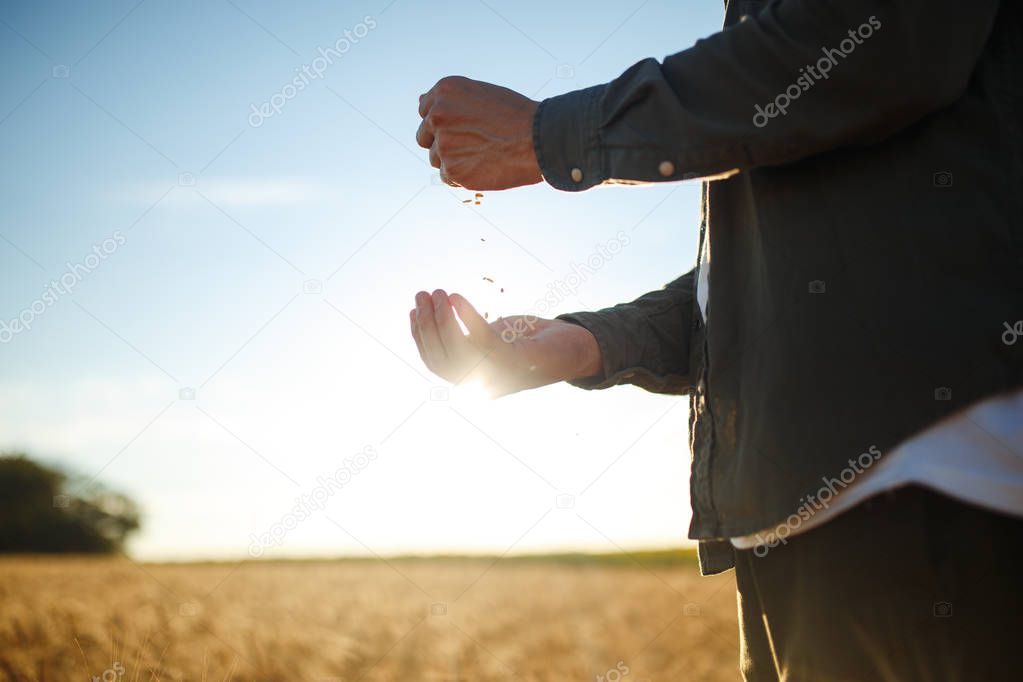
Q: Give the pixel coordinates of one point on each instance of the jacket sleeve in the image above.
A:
(645, 342)
(800, 78)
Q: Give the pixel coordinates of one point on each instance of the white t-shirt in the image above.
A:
(975, 455)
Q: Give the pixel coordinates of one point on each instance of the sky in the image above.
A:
(205, 276)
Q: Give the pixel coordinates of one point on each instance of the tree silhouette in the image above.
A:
(40, 513)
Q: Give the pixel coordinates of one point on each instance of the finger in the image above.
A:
(479, 329)
(455, 343)
(445, 178)
(426, 101)
(415, 334)
(424, 135)
(434, 157)
(432, 345)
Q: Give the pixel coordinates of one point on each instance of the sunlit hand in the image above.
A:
(479, 135)
(508, 355)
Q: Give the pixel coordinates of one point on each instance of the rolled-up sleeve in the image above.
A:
(645, 342)
(800, 78)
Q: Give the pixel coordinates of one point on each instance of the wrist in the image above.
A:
(588, 360)
(527, 149)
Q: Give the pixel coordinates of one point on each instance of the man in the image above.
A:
(861, 256)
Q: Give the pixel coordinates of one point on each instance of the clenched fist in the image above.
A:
(479, 135)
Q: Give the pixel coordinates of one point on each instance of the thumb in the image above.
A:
(479, 328)
(446, 179)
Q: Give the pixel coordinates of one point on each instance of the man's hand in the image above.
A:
(479, 135)
(508, 355)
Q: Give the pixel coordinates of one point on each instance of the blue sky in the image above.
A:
(271, 270)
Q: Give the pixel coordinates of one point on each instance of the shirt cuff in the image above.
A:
(618, 368)
(567, 142)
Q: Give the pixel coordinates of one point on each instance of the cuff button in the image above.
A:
(666, 169)
(577, 175)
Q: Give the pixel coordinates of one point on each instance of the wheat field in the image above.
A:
(113, 619)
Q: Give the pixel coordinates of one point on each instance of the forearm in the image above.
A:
(695, 114)
(645, 343)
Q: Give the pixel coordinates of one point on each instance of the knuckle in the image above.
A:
(438, 116)
(450, 85)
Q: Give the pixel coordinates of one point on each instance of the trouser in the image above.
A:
(911, 585)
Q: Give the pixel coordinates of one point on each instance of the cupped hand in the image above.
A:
(479, 135)
(501, 357)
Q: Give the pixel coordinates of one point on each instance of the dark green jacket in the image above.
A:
(866, 240)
